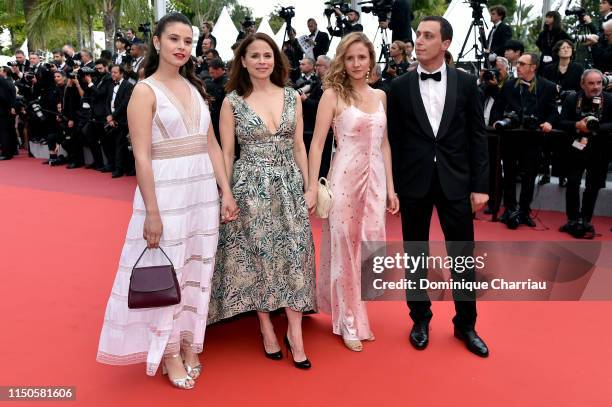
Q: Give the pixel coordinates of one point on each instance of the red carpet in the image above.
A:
(62, 233)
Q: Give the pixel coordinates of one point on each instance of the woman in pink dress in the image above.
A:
(360, 179)
(176, 207)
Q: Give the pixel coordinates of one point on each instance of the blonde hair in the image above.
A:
(402, 47)
(336, 78)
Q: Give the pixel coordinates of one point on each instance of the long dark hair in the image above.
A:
(239, 79)
(556, 25)
(151, 63)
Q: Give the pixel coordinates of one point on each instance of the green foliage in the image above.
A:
(238, 13)
(276, 22)
(422, 8)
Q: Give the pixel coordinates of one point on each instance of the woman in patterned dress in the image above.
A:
(175, 207)
(360, 179)
(265, 259)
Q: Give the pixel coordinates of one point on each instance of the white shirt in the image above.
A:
(433, 94)
(115, 90)
(495, 26)
(136, 63)
(120, 56)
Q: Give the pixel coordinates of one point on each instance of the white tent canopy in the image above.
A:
(264, 27)
(225, 32)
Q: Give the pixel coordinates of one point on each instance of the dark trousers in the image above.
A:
(94, 132)
(8, 137)
(124, 160)
(596, 172)
(458, 228)
(495, 173)
(519, 154)
(74, 145)
(325, 154)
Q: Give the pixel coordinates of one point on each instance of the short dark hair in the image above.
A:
(101, 61)
(216, 63)
(411, 42)
(535, 60)
(214, 52)
(57, 51)
(311, 19)
(354, 11)
(500, 10)
(213, 42)
(20, 52)
(515, 45)
(559, 44)
(121, 68)
(446, 29)
(106, 55)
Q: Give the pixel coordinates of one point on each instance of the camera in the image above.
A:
(306, 86)
(490, 74)
(286, 13)
(144, 27)
(82, 72)
(579, 12)
(12, 63)
(510, 121)
(379, 8)
(248, 22)
(37, 111)
(607, 80)
(592, 123)
(340, 4)
(530, 122)
(592, 115)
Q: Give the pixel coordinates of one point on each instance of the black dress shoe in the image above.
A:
(273, 355)
(93, 166)
(527, 220)
(569, 227)
(117, 174)
(589, 231)
(304, 364)
(72, 166)
(514, 220)
(5, 157)
(472, 341)
(106, 169)
(419, 335)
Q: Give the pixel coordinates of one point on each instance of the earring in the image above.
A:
(368, 76)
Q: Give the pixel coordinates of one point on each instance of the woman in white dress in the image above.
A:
(179, 166)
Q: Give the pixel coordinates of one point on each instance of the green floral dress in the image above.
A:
(265, 259)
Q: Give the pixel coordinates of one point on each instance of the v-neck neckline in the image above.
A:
(262, 121)
(173, 96)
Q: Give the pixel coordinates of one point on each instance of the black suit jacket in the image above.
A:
(569, 81)
(502, 34)
(321, 44)
(121, 101)
(510, 100)
(401, 20)
(460, 147)
(569, 117)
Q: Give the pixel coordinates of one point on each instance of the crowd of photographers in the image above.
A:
(545, 111)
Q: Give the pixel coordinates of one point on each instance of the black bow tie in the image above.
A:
(435, 76)
(116, 83)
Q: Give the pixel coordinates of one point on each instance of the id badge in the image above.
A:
(579, 144)
(86, 105)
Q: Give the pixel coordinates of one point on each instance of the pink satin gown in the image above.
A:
(358, 182)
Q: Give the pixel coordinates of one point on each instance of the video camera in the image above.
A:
(339, 4)
(490, 74)
(286, 13)
(579, 12)
(248, 22)
(379, 8)
(82, 72)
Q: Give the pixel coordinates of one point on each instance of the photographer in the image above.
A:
(512, 52)
(397, 64)
(587, 117)
(526, 102)
(602, 52)
(137, 52)
(60, 61)
(248, 28)
(57, 123)
(294, 53)
(500, 33)
(205, 32)
(318, 40)
(122, 55)
(401, 21)
(8, 137)
(20, 65)
(116, 118)
(310, 103)
(87, 59)
(551, 34)
(130, 34)
(92, 119)
(345, 24)
(307, 70)
(215, 87)
(376, 81)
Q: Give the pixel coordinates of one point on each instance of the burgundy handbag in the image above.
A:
(153, 286)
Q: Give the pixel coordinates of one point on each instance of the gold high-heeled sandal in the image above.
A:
(183, 382)
(192, 371)
(353, 344)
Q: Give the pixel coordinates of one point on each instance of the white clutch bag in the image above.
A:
(324, 198)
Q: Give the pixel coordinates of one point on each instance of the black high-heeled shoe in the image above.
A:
(304, 364)
(278, 355)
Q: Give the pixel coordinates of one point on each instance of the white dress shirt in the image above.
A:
(115, 90)
(492, 33)
(433, 94)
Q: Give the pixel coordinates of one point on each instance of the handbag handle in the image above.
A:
(143, 252)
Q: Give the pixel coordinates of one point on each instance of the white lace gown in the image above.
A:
(188, 201)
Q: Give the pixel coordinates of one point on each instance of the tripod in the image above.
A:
(384, 48)
(477, 30)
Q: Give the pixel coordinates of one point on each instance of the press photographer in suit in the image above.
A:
(587, 117)
(318, 39)
(345, 24)
(440, 159)
(116, 104)
(526, 102)
(501, 32)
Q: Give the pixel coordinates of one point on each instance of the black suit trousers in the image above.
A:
(458, 228)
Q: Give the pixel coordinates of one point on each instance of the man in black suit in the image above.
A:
(401, 21)
(440, 159)
(590, 150)
(8, 137)
(318, 39)
(215, 87)
(532, 98)
(116, 104)
(500, 33)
